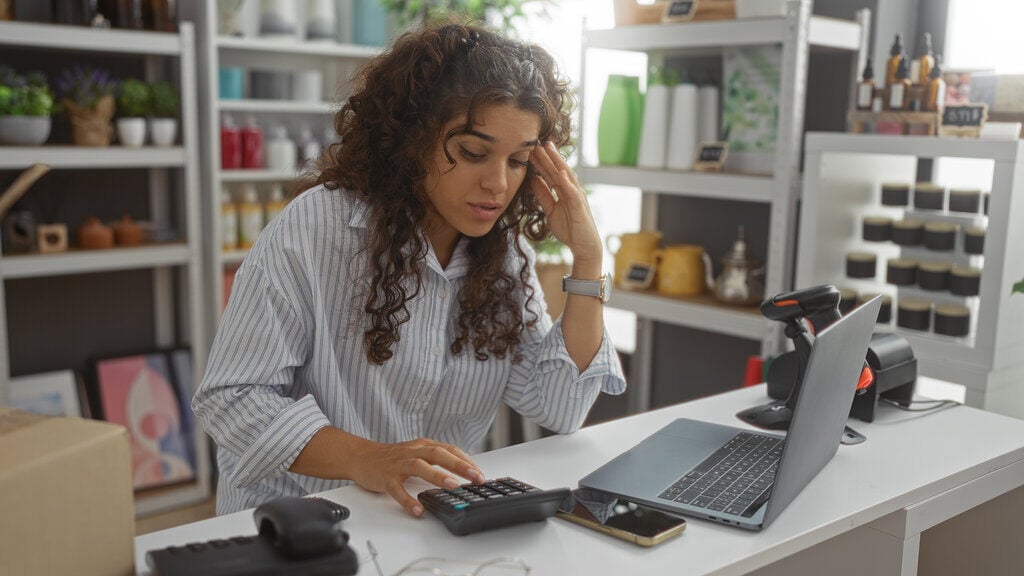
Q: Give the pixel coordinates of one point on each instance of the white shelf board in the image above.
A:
(257, 176)
(19, 157)
(290, 46)
(82, 38)
(919, 146)
(277, 106)
(700, 313)
(709, 185)
(233, 257)
(88, 261)
(170, 498)
(824, 32)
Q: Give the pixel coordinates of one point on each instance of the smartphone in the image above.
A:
(620, 518)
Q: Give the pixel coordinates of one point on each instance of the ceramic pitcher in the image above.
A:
(682, 270)
(632, 247)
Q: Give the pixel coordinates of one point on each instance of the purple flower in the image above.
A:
(85, 85)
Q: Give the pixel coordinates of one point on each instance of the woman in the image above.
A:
(378, 322)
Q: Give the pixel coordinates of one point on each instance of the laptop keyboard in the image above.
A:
(736, 479)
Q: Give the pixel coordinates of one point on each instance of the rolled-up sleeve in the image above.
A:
(245, 401)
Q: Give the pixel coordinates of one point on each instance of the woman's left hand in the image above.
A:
(564, 201)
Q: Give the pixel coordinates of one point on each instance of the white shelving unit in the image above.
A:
(798, 33)
(335, 61)
(843, 174)
(166, 202)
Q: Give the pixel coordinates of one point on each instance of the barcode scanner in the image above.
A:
(303, 527)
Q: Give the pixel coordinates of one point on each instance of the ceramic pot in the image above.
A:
(278, 18)
(127, 232)
(321, 21)
(632, 248)
(163, 130)
(94, 235)
(91, 126)
(131, 132)
(24, 130)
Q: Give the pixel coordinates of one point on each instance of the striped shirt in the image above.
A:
(288, 358)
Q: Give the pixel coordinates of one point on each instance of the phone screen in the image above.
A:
(619, 517)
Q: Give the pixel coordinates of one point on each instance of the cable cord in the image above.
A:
(935, 404)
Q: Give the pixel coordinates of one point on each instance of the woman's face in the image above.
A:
(491, 164)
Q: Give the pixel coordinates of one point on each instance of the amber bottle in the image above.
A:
(892, 64)
(899, 90)
(935, 90)
(866, 87)
(925, 63)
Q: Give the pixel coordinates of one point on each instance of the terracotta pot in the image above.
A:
(127, 232)
(93, 235)
(91, 126)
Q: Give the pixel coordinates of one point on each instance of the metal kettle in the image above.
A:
(741, 280)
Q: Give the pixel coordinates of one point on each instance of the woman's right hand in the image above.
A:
(380, 467)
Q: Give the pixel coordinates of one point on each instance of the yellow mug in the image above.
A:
(682, 270)
(632, 248)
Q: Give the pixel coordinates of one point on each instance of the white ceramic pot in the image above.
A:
(131, 132)
(24, 130)
(321, 21)
(163, 131)
(278, 18)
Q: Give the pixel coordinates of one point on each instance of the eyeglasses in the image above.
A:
(437, 566)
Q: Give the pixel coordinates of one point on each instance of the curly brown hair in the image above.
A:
(389, 128)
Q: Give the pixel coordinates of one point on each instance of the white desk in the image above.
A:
(915, 471)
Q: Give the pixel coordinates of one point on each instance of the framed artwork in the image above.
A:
(139, 392)
(50, 393)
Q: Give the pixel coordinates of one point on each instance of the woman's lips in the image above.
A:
(486, 211)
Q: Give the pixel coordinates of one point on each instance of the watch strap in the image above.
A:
(600, 288)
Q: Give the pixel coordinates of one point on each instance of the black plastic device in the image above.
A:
(494, 504)
(299, 536)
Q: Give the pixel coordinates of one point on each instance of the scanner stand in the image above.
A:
(777, 415)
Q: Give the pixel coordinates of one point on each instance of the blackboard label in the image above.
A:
(639, 275)
(679, 10)
(711, 155)
(967, 115)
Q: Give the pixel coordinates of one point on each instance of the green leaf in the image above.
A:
(1018, 287)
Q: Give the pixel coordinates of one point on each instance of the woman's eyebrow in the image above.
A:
(489, 138)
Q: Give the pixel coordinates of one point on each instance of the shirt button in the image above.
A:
(435, 351)
(443, 294)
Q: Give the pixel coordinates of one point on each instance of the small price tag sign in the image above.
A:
(963, 120)
(679, 11)
(639, 276)
(711, 156)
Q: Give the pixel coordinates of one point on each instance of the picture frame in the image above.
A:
(50, 393)
(140, 392)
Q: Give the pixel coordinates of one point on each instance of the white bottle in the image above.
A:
(280, 151)
(250, 216)
(654, 130)
(275, 203)
(309, 149)
(683, 127)
(228, 221)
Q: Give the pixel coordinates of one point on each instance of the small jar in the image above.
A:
(965, 280)
(914, 314)
(952, 320)
(861, 264)
(933, 275)
(877, 228)
(939, 236)
(964, 200)
(847, 300)
(895, 194)
(907, 232)
(928, 196)
(901, 272)
(974, 240)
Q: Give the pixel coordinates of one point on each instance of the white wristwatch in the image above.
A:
(600, 289)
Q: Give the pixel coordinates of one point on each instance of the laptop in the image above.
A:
(743, 477)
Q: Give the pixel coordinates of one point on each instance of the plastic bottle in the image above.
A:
(618, 125)
(683, 126)
(866, 87)
(893, 63)
(228, 222)
(921, 68)
(252, 144)
(654, 130)
(250, 217)
(281, 151)
(899, 91)
(309, 149)
(935, 90)
(275, 203)
(230, 144)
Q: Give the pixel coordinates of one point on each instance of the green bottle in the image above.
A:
(618, 125)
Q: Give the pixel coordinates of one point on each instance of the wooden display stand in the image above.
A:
(856, 120)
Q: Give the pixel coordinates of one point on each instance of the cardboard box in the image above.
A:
(66, 498)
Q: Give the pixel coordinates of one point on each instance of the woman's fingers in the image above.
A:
(404, 499)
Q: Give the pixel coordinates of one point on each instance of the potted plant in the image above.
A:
(132, 109)
(26, 104)
(163, 126)
(504, 13)
(87, 94)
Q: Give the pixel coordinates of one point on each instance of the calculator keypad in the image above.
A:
(495, 503)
